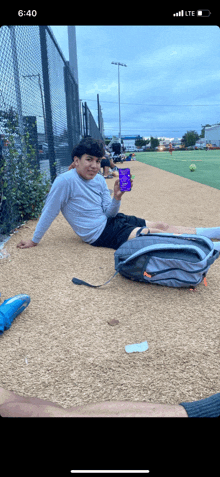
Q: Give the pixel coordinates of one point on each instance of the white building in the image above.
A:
(128, 141)
(165, 141)
(212, 135)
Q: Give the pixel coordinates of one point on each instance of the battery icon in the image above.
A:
(203, 13)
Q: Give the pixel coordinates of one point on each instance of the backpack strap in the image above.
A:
(81, 282)
(157, 246)
(140, 230)
(211, 259)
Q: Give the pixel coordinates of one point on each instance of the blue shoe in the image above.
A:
(11, 308)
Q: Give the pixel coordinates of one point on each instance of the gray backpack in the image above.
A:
(164, 259)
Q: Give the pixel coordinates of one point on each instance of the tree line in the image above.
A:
(189, 139)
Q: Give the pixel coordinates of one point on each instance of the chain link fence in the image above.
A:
(89, 127)
(39, 121)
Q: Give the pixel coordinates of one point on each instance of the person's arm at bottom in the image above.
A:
(12, 405)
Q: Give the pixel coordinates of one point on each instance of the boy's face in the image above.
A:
(88, 166)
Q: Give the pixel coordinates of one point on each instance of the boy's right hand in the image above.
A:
(72, 166)
(26, 244)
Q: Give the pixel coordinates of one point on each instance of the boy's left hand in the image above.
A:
(117, 192)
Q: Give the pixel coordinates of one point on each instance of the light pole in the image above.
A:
(119, 64)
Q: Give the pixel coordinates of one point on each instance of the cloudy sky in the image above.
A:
(171, 83)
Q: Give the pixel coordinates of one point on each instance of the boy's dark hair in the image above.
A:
(90, 146)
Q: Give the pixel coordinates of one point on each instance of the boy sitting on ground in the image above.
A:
(82, 195)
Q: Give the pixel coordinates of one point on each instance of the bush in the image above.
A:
(23, 188)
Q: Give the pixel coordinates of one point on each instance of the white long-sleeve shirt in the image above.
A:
(85, 204)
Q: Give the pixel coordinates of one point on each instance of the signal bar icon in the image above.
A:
(179, 14)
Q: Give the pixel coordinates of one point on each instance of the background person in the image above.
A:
(106, 163)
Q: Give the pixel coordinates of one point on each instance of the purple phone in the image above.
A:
(124, 178)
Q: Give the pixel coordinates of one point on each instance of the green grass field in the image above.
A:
(207, 164)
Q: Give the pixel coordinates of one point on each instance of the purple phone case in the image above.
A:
(124, 178)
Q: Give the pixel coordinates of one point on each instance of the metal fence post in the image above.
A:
(46, 83)
(99, 116)
(86, 120)
(68, 109)
(17, 81)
